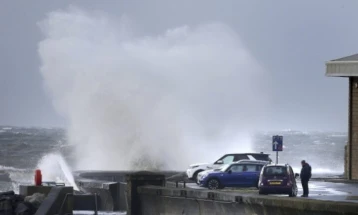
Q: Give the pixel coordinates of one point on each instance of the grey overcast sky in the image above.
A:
(291, 40)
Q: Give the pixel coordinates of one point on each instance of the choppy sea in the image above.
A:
(22, 150)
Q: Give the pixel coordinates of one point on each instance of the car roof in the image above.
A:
(279, 165)
(247, 153)
(251, 162)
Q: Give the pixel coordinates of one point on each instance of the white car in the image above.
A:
(195, 169)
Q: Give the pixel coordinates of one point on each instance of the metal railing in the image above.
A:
(176, 184)
(52, 184)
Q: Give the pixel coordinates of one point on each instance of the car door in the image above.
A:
(235, 175)
(250, 174)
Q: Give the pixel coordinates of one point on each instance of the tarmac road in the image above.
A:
(317, 190)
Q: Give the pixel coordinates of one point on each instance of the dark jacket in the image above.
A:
(306, 172)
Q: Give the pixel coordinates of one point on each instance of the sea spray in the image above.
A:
(54, 168)
(150, 102)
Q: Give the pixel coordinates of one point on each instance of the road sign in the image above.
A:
(277, 143)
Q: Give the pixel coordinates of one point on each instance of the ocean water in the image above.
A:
(25, 149)
(324, 151)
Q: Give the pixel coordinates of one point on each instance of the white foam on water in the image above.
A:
(3, 167)
(17, 176)
(53, 168)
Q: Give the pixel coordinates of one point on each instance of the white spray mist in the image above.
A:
(54, 168)
(144, 102)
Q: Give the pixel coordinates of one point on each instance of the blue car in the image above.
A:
(244, 173)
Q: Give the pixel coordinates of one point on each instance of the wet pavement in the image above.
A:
(320, 190)
(331, 191)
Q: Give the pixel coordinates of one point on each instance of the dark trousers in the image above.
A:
(305, 186)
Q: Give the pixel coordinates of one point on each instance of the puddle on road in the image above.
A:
(317, 190)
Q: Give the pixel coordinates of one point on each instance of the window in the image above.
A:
(275, 170)
(251, 168)
(262, 157)
(237, 168)
(228, 159)
(291, 171)
(241, 157)
(243, 168)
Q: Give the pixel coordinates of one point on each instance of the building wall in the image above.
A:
(353, 129)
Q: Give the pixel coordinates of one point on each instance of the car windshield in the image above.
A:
(275, 170)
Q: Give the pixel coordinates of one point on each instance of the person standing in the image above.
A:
(305, 177)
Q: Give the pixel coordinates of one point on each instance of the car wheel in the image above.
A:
(213, 184)
(293, 191)
(195, 176)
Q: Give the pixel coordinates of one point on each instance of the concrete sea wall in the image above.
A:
(162, 200)
(151, 193)
(58, 201)
(110, 186)
(107, 193)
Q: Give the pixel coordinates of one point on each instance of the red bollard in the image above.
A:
(38, 178)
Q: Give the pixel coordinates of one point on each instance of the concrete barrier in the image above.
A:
(108, 193)
(134, 181)
(58, 201)
(123, 203)
(28, 190)
(87, 179)
(85, 202)
(164, 200)
(115, 176)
